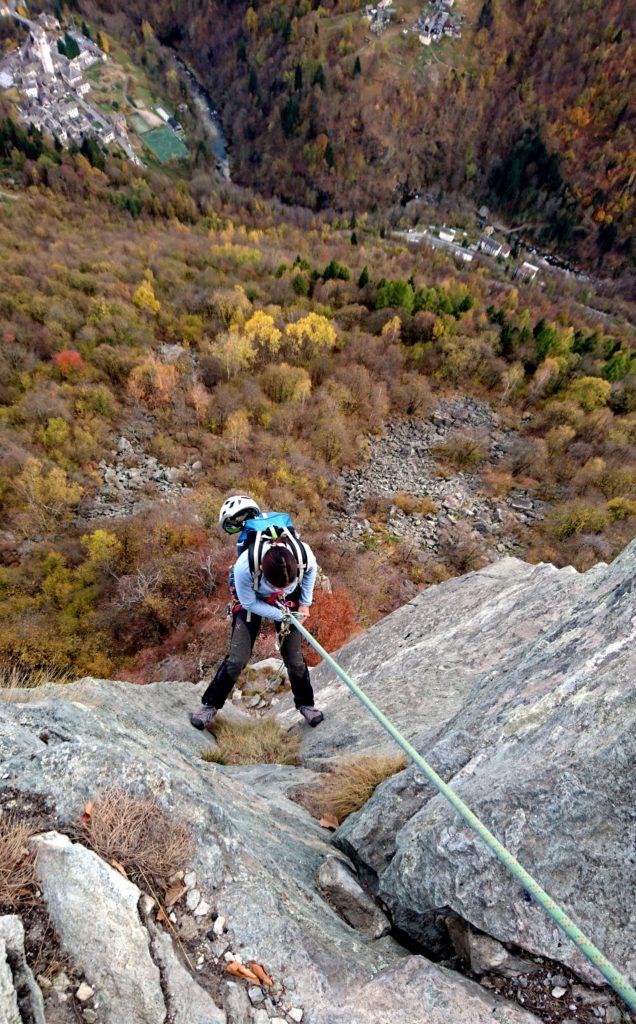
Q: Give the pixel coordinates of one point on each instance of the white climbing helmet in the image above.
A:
(235, 510)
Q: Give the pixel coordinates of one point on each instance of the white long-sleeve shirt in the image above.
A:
(252, 600)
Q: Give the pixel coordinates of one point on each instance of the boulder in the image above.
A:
(340, 886)
(95, 911)
(19, 990)
(527, 707)
(483, 954)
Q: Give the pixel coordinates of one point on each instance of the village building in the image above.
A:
(53, 88)
(527, 271)
(490, 246)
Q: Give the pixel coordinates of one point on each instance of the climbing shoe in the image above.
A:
(311, 715)
(204, 717)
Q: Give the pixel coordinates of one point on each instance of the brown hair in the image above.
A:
(279, 566)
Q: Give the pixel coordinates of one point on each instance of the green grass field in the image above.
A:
(164, 144)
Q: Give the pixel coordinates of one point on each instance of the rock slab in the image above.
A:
(538, 737)
(339, 884)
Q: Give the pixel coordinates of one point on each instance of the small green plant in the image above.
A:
(568, 520)
(261, 741)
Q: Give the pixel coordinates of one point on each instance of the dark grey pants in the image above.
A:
(244, 633)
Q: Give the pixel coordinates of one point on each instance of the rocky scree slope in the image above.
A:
(516, 681)
(403, 460)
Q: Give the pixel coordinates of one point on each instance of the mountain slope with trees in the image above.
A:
(234, 343)
(321, 113)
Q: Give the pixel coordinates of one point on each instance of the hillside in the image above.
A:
(323, 113)
(537, 734)
(167, 338)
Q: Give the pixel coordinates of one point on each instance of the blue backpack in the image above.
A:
(261, 531)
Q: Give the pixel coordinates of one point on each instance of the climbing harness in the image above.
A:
(594, 955)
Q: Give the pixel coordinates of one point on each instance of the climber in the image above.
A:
(274, 570)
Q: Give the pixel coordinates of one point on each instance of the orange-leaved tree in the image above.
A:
(332, 621)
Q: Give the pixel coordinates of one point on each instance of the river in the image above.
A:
(209, 118)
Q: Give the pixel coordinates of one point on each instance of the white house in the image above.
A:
(527, 271)
(447, 234)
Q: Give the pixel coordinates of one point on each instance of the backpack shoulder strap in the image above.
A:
(298, 550)
(254, 558)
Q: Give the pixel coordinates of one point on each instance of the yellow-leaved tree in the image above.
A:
(144, 297)
(310, 335)
(237, 429)
(284, 383)
(235, 351)
(262, 331)
(48, 496)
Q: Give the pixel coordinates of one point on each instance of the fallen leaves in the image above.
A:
(260, 972)
(174, 893)
(119, 867)
(328, 821)
(88, 810)
(252, 972)
(240, 971)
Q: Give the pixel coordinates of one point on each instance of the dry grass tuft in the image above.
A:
(348, 787)
(136, 833)
(462, 452)
(15, 677)
(410, 503)
(261, 741)
(17, 875)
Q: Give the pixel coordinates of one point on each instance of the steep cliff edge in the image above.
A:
(517, 682)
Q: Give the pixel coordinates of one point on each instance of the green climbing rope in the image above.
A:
(594, 955)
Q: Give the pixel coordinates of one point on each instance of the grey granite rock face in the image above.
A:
(427, 994)
(257, 853)
(528, 709)
(130, 962)
(420, 663)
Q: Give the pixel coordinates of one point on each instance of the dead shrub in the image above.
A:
(348, 787)
(261, 741)
(376, 506)
(496, 481)
(137, 834)
(17, 875)
(461, 451)
(461, 550)
(14, 676)
(411, 504)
